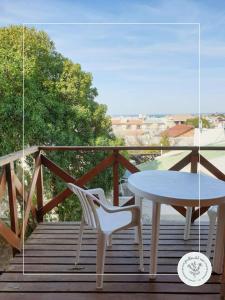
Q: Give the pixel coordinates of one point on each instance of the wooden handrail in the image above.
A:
(4, 160)
(121, 148)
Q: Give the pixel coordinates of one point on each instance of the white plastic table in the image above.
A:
(180, 189)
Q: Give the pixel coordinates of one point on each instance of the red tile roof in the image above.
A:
(177, 130)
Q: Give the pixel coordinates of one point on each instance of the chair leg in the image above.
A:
(188, 223)
(212, 223)
(100, 259)
(154, 239)
(79, 241)
(138, 202)
(140, 246)
(109, 241)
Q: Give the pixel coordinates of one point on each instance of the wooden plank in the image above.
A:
(120, 287)
(4, 160)
(198, 212)
(30, 194)
(19, 188)
(92, 253)
(39, 192)
(54, 168)
(23, 193)
(95, 295)
(194, 161)
(116, 243)
(63, 245)
(135, 278)
(128, 165)
(12, 197)
(61, 269)
(180, 209)
(211, 168)
(194, 169)
(131, 201)
(74, 226)
(123, 234)
(54, 202)
(9, 236)
(101, 166)
(113, 260)
(182, 163)
(2, 183)
(124, 237)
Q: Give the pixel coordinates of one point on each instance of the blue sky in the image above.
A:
(138, 68)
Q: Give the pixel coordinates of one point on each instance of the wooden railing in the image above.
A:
(16, 191)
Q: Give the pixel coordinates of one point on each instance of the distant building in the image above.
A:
(209, 136)
(179, 119)
(124, 123)
(220, 122)
(181, 134)
(140, 130)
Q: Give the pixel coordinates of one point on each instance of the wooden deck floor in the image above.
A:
(50, 250)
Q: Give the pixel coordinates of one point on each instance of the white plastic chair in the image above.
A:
(107, 219)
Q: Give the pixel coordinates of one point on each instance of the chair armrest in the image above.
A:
(99, 192)
(134, 209)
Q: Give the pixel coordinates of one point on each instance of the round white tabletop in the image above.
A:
(178, 188)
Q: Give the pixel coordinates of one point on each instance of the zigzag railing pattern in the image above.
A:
(16, 191)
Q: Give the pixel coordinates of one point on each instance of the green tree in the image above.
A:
(59, 107)
(164, 141)
(195, 122)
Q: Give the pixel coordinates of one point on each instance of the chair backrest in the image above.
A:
(87, 203)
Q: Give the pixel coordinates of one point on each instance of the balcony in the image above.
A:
(49, 250)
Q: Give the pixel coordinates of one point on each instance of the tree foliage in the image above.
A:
(196, 122)
(165, 141)
(59, 107)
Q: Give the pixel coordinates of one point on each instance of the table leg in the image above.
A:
(139, 203)
(188, 223)
(220, 240)
(154, 240)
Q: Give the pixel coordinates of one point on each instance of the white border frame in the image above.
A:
(199, 115)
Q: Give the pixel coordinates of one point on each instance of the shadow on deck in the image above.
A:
(50, 250)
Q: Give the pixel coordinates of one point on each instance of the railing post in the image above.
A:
(194, 161)
(194, 169)
(115, 178)
(12, 199)
(2, 182)
(39, 190)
